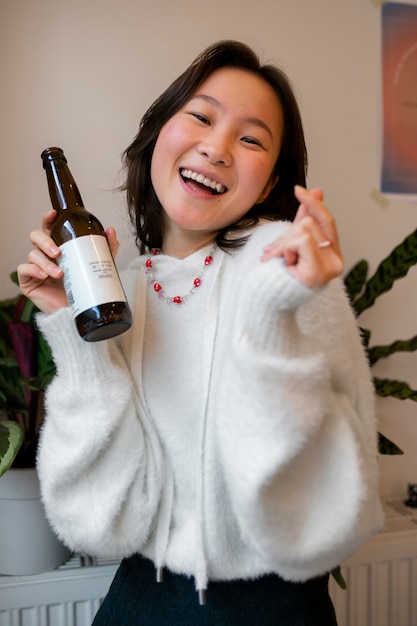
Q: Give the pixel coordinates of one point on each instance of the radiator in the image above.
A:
(381, 579)
(67, 596)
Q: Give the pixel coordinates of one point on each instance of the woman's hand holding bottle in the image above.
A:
(41, 279)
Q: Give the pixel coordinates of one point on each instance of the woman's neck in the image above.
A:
(181, 248)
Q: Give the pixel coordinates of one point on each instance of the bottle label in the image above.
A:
(90, 276)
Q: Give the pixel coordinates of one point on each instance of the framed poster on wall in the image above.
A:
(399, 98)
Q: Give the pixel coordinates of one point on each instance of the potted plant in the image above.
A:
(26, 367)
(363, 292)
(27, 544)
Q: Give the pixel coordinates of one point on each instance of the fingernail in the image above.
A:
(53, 250)
(56, 270)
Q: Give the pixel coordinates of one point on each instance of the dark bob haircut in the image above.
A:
(145, 210)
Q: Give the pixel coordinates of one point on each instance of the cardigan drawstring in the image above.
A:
(201, 577)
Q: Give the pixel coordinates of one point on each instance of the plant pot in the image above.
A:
(27, 543)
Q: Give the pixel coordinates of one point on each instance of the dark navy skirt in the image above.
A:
(136, 599)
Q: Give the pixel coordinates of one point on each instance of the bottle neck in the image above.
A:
(63, 189)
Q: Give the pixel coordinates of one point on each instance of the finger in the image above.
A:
(307, 228)
(318, 242)
(302, 209)
(311, 201)
(317, 193)
(304, 240)
(26, 272)
(47, 265)
(112, 240)
(311, 226)
(311, 204)
(41, 240)
(310, 264)
(46, 293)
(48, 220)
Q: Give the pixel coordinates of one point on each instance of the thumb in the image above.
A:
(112, 240)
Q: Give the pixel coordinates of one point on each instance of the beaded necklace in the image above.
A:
(157, 287)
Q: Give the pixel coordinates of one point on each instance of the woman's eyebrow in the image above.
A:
(250, 120)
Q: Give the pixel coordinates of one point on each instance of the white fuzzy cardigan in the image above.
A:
(224, 438)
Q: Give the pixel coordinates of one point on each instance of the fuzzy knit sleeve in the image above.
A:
(296, 425)
(100, 467)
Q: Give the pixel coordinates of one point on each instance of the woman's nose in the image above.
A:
(217, 149)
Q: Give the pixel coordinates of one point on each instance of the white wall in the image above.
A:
(80, 75)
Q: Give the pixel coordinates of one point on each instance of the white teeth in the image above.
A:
(203, 180)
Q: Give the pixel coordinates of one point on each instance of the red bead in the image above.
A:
(157, 287)
(197, 282)
(177, 299)
(208, 260)
(148, 263)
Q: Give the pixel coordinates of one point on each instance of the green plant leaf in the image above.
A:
(365, 336)
(393, 267)
(338, 576)
(28, 312)
(13, 398)
(386, 446)
(14, 278)
(385, 387)
(380, 352)
(11, 438)
(355, 279)
(7, 309)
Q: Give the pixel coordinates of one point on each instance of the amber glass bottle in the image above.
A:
(91, 280)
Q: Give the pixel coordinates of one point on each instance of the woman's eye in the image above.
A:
(252, 141)
(201, 118)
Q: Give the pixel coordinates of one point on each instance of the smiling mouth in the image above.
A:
(215, 187)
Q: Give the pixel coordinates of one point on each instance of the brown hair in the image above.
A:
(145, 210)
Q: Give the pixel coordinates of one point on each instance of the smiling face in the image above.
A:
(214, 159)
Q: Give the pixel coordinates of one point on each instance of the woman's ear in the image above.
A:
(267, 189)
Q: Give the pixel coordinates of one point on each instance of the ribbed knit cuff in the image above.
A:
(72, 355)
(272, 297)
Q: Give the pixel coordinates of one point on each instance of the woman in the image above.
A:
(228, 437)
